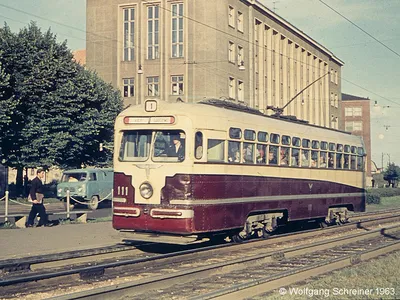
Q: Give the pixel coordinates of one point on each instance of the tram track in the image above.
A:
(147, 261)
(239, 276)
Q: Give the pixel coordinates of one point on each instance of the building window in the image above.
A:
(231, 52)
(332, 99)
(232, 88)
(353, 112)
(240, 56)
(152, 32)
(231, 16)
(177, 85)
(336, 77)
(357, 111)
(332, 76)
(351, 126)
(240, 90)
(153, 86)
(336, 100)
(129, 87)
(240, 21)
(177, 30)
(129, 34)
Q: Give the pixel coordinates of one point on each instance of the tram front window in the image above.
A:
(135, 145)
(169, 146)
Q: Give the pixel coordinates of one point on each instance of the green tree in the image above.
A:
(55, 111)
(392, 174)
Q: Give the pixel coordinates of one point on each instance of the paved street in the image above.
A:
(44, 240)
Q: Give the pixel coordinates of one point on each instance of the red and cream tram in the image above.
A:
(187, 172)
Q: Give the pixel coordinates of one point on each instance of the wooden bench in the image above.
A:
(21, 218)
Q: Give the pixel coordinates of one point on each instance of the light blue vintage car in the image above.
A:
(89, 186)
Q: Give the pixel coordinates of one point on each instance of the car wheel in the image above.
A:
(94, 203)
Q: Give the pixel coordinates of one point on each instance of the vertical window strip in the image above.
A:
(177, 30)
(152, 32)
(129, 34)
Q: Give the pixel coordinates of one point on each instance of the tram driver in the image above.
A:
(177, 148)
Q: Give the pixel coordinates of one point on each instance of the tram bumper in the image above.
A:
(153, 220)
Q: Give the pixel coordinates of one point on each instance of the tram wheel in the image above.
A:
(266, 233)
(239, 238)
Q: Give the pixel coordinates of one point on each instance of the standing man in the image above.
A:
(36, 197)
(177, 148)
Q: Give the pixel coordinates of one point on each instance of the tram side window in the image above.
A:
(215, 150)
(305, 158)
(261, 152)
(233, 152)
(314, 159)
(360, 163)
(235, 133)
(284, 158)
(295, 157)
(353, 162)
(273, 155)
(198, 145)
(322, 159)
(248, 153)
(331, 160)
(339, 162)
(346, 161)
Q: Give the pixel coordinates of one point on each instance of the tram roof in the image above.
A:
(218, 108)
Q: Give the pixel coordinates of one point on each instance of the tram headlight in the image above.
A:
(146, 190)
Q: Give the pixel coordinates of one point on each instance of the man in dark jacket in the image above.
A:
(36, 197)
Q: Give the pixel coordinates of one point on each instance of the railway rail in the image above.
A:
(98, 269)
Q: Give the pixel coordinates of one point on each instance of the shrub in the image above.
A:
(385, 192)
(373, 199)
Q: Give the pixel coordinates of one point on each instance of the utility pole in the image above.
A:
(388, 155)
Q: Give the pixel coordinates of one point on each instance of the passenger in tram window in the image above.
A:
(284, 156)
(330, 160)
(272, 155)
(248, 153)
(322, 160)
(305, 158)
(233, 152)
(295, 158)
(261, 154)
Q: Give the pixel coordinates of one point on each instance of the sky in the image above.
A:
(368, 42)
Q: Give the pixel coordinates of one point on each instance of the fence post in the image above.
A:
(68, 202)
(112, 201)
(6, 208)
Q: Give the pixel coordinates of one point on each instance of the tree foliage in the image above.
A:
(392, 174)
(52, 110)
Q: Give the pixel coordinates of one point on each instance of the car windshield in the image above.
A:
(73, 177)
(163, 145)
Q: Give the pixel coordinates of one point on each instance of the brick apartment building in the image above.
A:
(356, 119)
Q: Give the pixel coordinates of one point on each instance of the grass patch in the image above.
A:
(380, 273)
(386, 203)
